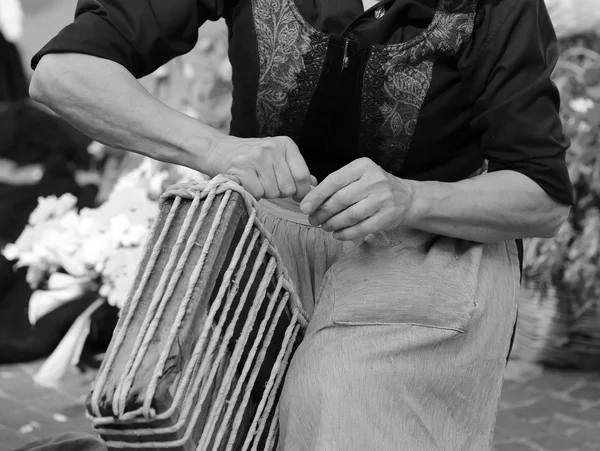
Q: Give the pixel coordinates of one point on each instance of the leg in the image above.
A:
(405, 351)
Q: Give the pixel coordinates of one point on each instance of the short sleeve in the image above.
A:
(515, 104)
(141, 35)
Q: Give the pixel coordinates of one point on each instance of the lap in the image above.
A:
(406, 349)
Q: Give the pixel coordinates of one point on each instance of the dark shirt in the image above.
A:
(430, 90)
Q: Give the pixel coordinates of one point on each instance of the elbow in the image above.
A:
(46, 79)
(557, 216)
(35, 88)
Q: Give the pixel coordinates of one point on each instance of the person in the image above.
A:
(13, 81)
(400, 152)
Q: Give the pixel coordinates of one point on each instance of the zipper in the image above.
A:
(345, 58)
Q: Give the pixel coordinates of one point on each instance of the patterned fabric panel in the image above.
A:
(291, 58)
(397, 78)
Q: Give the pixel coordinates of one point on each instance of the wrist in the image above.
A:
(199, 147)
(419, 202)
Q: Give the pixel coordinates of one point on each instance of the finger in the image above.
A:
(361, 229)
(313, 183)
(338, 202)
(268, 178)
(330, 185)
(251, 183)
(352, 215)
(283, 175)
(298, 168)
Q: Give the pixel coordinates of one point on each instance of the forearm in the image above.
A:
(103, 100)
(492, 207)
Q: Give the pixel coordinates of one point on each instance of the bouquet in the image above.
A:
(69, 251)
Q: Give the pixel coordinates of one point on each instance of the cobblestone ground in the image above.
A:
(539, 411)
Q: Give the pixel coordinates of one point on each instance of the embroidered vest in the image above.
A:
(340, 100)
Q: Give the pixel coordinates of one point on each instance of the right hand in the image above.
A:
(266, 167)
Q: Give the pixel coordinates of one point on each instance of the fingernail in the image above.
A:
(305, 207)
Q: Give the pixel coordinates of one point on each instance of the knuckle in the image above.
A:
(355, 214)
(286, 140)
(253, 153)
(365, 162)
(271, 191)
(287, 190)
(302, 176)
(270, 143)
(323, 209)
(288, 143)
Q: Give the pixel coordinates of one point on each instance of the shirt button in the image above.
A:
(380, 12)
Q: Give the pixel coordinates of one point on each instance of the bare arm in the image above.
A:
(362, 198)
(491, 207)
(103, 100)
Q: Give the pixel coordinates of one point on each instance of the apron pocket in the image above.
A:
(431, 284)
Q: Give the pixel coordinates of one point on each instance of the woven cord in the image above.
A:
(191, 368)
(261, 357)
(160, 366)
(154, 313)
(273, 430)
(223, 183)
(210, 356)
(279, 370)
(237, 354)
(131, 306)
(248, 365)
(231, 326)
(205, 357)
(286, 348)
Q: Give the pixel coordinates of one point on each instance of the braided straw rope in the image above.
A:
(210, 385)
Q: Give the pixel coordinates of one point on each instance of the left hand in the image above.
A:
(359, 199)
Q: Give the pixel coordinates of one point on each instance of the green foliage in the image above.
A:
(570, 261)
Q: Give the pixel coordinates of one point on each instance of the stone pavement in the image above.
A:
(540, 410)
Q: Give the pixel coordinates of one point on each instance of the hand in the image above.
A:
(265, 167)
(357, 200)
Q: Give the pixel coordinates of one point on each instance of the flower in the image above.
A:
(52, 207)
(581, 105)
(10, 252)
(96, 149)
(11, 19)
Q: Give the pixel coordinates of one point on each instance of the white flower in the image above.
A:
(95, 250)
(157, 182)
(11, 252)
(96, 149)
(52, 207)
(581, 105)
(70, 221)
(584, 127)
(119, 225)
(11, 19)
(85, 226)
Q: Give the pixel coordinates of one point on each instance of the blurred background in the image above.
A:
(70, 240)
